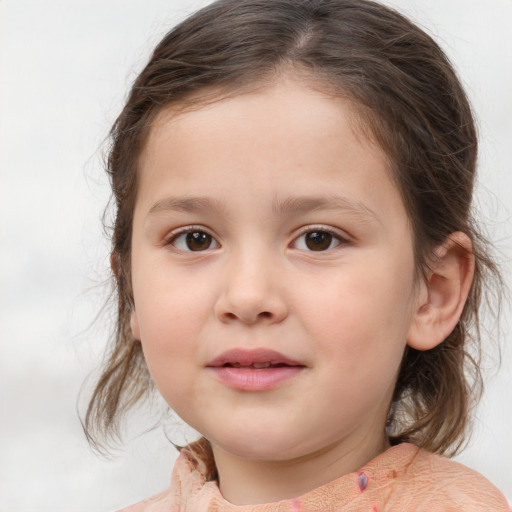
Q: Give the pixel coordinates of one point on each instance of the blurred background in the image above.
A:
(65, 68)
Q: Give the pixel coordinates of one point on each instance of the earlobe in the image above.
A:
(444, 294)
(134, 325)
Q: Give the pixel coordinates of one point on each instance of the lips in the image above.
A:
(254, 370)
(256, 358)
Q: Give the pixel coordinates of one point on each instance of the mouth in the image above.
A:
(258, 359)
(256, 366)
(254, 370)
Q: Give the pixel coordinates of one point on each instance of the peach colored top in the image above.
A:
(405, 478)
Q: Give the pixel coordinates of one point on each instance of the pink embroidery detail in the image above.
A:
(296, 505)
(362, 481)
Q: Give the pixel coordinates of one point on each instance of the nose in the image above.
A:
(251, 293)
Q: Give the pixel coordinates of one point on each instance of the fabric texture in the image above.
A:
(405, 478)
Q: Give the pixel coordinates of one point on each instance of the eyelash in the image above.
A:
(175, 235)
(341, 240)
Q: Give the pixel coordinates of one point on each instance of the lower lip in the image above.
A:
(252, 379)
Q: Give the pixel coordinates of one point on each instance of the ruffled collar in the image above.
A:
(196, 489)
(403, 478)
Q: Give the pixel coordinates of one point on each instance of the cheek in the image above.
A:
(362, 317)
(169, 306)
(169, 322)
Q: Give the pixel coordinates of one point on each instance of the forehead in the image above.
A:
(292, 91)
(288, 134)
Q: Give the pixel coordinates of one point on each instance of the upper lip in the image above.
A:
(247, 357)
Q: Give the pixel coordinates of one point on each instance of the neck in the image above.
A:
(245, 481)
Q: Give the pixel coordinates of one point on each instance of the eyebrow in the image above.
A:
(288, 206)
(294, 205)
(186, 204)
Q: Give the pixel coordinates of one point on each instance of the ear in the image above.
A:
(442, 297)
(134, 324)
(115, 265)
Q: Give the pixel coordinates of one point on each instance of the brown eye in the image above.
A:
(318, 240)
(194, 241)
(198, 241)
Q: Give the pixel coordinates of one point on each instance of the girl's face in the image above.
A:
(268, 231)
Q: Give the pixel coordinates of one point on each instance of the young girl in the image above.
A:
(297, 269)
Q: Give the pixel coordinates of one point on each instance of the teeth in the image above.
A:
(261, 365)
(254, 365)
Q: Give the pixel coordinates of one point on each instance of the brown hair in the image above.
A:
(409, 101)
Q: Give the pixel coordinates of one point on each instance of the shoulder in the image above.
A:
(440, 483)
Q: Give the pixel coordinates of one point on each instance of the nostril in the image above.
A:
(265, 314)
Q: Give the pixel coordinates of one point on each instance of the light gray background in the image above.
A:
(65, 67)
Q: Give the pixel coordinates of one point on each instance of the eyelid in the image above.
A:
(342, 235)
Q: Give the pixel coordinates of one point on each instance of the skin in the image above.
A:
(346, 312)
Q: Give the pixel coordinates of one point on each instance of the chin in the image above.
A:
(262, 446)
